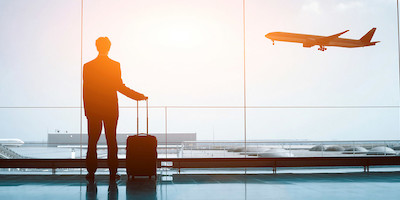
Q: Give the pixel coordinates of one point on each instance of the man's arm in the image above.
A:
(121, 87)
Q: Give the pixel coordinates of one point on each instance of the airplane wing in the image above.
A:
(337, 35)
(326, 39)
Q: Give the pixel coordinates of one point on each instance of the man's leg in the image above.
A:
(94, 131)
(111, 136)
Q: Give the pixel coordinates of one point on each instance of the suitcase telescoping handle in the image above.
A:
(147, 117)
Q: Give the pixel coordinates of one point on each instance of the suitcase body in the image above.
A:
(141, 156)
(141, 152)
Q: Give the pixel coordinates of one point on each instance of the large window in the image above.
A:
(206, 73)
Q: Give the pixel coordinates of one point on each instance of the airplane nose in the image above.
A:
(268, 35)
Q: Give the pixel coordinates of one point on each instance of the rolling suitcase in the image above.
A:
(141, 151)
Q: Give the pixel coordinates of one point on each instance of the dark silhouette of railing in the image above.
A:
(180, 163)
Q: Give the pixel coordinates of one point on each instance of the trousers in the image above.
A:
(94, 130)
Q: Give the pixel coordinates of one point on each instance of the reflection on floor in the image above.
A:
(229, 186)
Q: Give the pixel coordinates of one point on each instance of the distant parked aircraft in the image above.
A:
(11, 142)
(322, 41)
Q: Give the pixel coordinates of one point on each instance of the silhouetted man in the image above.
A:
(101, 81)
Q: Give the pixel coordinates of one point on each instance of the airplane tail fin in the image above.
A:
(367, 37)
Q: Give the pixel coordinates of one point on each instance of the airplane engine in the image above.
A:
(308, 45)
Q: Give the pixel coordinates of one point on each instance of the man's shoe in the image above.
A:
(115, 176)
(90, 177)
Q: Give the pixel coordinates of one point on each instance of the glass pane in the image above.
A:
(39, 79)
(175, 52)
(304, 101)
(29, 132)
(216, 129)
(40, 54)
(287, 74)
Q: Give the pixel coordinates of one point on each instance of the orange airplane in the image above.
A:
(323, 41)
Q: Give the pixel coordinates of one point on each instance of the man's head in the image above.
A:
(103, 45)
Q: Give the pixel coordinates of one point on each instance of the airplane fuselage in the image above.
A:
(322, 41)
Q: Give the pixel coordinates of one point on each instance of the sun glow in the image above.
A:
(178, 32)
(181, 33)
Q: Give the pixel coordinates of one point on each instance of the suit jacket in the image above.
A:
(101, 81)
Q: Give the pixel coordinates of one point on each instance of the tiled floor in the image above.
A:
(382, 185)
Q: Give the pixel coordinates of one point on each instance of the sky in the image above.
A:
(190, 53)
